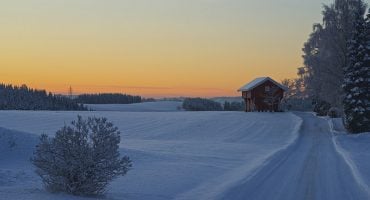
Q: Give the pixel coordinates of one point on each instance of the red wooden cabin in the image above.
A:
(263, 94)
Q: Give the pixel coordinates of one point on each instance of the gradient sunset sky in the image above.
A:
(153, 48)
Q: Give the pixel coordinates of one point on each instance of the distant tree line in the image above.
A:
(25, 98)
(109, 98)
(234, 106)
(148, 99)
(200, 104)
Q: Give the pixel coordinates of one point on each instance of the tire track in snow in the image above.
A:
(347, 158)
(215, 189)
(313, 169)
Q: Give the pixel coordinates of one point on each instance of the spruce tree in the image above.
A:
(367, 69)
(227, 106)
(356, 79)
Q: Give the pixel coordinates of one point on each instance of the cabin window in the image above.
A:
(267, 88)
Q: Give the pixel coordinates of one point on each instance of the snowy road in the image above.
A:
(311, 169)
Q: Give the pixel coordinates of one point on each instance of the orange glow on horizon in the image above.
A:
(162, 49)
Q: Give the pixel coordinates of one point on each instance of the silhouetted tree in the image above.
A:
(24, 98)
(357, 78)
(108, 98)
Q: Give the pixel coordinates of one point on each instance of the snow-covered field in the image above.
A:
(176, 155)
(203, 155)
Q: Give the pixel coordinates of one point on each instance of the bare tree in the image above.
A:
(272, 97)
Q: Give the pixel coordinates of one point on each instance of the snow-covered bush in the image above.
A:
(296, 104)
(234, 106)
(321, 108)
(334, 112)
(82, 158)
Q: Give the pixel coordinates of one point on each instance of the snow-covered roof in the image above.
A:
(258, 81)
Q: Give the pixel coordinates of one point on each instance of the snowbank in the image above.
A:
(15, 146)
(355, 151)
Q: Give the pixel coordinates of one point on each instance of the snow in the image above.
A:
(204, 155)
(311, 168)
(176, 155)
(159, 106)
(258, 81)
(355, 151)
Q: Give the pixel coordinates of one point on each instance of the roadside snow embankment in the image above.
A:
(355, 151)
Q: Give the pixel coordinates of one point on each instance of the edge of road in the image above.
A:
(281, 154)
(347, 157)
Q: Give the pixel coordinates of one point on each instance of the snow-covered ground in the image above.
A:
(159, 106)
(355, 149)
(176, 155)
(312, 168)
(202, 155)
